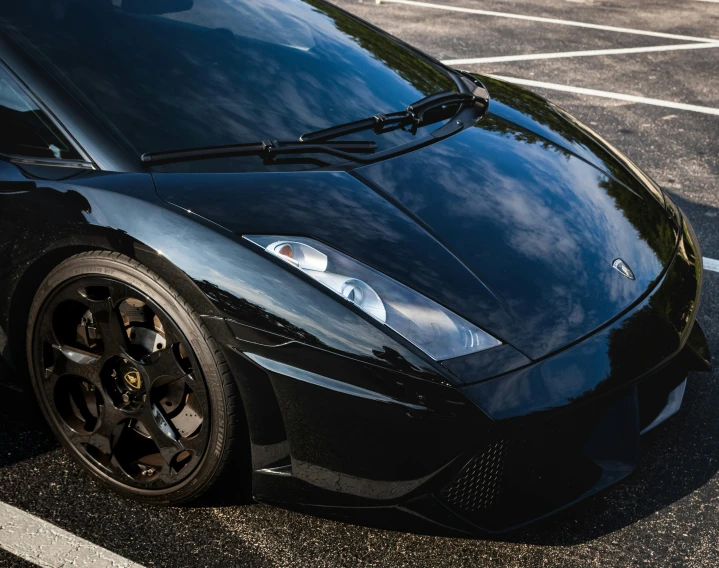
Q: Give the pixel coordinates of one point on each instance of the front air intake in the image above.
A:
(478, 485)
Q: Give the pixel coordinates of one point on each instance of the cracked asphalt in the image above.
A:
(665, 514)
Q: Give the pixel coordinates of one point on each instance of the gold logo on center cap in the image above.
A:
(133, 379)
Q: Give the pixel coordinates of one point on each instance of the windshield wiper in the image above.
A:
(415, 115)
(266, 149)
(421, 113)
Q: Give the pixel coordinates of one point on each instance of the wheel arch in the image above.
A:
(28, 280)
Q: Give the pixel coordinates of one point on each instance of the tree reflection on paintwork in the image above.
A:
(649, 221)
(532, 112)
(538, 226)
(425, 77)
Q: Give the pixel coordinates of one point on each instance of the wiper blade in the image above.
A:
(267, 149)
(414, 116)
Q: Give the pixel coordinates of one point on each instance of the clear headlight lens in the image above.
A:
(441, 334)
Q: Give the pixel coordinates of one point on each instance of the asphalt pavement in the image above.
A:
(667, 512)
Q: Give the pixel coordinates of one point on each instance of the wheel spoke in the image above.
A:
(71, 293)
(187, 378)
(112, 329)
(103, 439)
(73, 361)
(106, 436)
(162, 432)
(166, 369)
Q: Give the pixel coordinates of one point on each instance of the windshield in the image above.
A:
(169, 74)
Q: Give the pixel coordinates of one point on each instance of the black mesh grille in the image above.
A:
(479, 485)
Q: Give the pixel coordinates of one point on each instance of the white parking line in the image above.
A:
(46, 545)
(450, 8)
(609, 95)
(585, 53)
(710, 263)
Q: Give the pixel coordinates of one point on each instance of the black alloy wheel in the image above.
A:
(130, 380)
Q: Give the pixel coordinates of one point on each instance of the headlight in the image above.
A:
(438, 332)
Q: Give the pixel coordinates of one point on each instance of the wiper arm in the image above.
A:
(267, 149)
(414, 116)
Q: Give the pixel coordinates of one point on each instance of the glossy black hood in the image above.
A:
(538, 225)
(511, 230)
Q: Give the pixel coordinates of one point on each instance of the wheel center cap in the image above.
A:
(132, 379)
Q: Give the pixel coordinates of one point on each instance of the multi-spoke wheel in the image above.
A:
(130, 380)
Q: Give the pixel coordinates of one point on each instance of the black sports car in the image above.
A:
(265, 240)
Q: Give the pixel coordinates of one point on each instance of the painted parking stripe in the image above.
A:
(450, 8)
(710, 263)
(609, 95)
(585, 53)
(44, 544)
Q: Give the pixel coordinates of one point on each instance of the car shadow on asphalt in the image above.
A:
(23, 431)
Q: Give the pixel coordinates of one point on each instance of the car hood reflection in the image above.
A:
(537, 224)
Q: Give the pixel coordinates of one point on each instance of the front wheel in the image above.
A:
(130, 380)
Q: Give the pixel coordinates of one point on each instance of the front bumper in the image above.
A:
(569, 426)
(532, 470)
(333, 432)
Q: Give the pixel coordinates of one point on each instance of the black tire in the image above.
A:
(85, 381)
